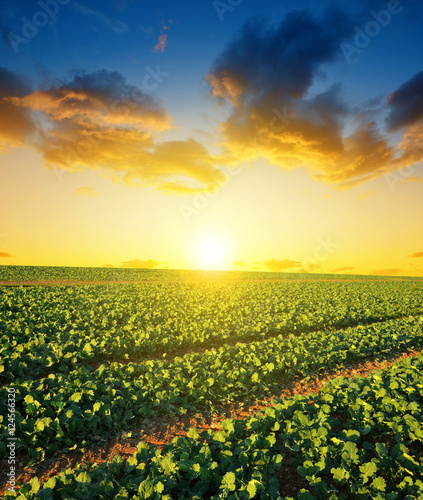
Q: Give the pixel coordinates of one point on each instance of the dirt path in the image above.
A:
(162, 429)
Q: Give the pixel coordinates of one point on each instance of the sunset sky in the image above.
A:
(224, 134)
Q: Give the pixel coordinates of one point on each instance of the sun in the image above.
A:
(211, 252)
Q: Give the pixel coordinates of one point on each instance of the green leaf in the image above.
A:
(193, 433)
(252, 488)
(340, 474)
(83, 477)
(146, 489)
(168, 465)
(51, 483)
(76, 398)
(228, 481)
(28, 399)
(305, 495)
(350, 452)
(368, 469)
(35, 485)
(379, 483)
(381, 449)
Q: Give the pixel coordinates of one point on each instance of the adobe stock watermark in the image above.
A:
(31, 27)
(404, 174)
(276, 125)
(324, 248)
(223, 6)
(85, 147)
(201, 200)
(364, 36)
(11, 439)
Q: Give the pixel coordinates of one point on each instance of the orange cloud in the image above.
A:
(416, 254)
(6, 255)
(310, 269)
(343, 269)
(366, 195)
(273, 116)
(100, 122)
(16, 124)
(279, 265)
(141, 264)
(87, 191)
(161, 44)
(413, 178)
(391, 271)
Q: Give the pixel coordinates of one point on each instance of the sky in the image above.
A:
(213, 134)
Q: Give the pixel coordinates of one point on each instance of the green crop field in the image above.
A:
(81, 363)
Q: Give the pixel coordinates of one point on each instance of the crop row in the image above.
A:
(64, 410)
(51, 273)
(359, 438)
(49, 329)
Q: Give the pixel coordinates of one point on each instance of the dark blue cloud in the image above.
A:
(406, 104)
(280, 59)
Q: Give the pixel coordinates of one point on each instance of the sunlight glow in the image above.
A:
(211, 252)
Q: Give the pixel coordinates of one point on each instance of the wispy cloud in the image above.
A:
(366, 195)
(390, 271)
(238, 263)
(143, 264)
(87, 191)
(416, 254)
(113, 24)
(6, 255)
(162, 43)
(343, 269)
(412, 178)
(280, 265)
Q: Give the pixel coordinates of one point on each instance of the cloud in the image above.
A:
(16, 124)
(99, 121)
(279, 265)
(6, 255)
(391, 271)
(87, 191)
(161, 44)
(108, 266)
(110, 23)
(343, 269)
(238, 263)
(406, 104)
(141, 264)
(413, 178)
(366, 195)
(102, 98)
(310, 269)
(416, 254)
(251, 68)
(274, 113)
